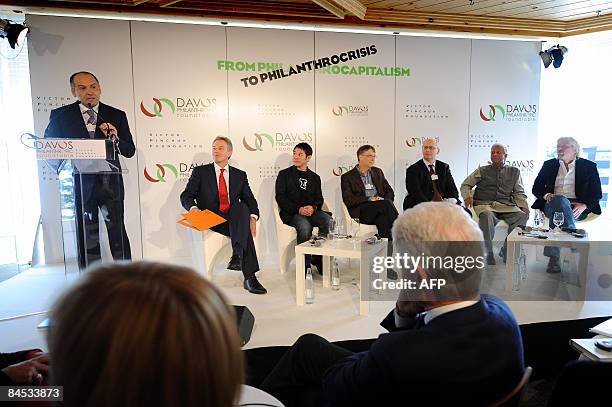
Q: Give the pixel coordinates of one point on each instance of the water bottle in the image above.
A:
(335, 276)
(309, 287)
(332, 229)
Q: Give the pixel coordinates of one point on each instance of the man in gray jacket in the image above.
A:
(499, 195)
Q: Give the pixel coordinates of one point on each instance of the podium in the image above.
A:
(91, 194)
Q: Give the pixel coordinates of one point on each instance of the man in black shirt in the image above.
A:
(299, 198)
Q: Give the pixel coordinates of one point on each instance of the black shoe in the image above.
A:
(553, 266)
(253, 286)
(491, 259)
(235, 263)
(391, 274)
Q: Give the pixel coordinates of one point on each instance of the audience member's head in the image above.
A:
(444, 237)
(145, 334)
(568, 149)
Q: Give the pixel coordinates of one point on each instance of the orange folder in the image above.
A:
(201, 220)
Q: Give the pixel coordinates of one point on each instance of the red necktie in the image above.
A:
(437, 197)
(223, 198)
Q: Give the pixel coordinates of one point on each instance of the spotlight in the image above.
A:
(553, 55)
(14, 33)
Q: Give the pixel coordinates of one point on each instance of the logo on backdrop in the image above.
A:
(264, 109)
(341, 169)
(526, 166)
(47, 103)
(424, 111)
(350, 111)
(508, 112)
(170, 171)
(161, 173)
(258, 142)
(189, 107)
(416, 142)
(158, 107)
(278, 141)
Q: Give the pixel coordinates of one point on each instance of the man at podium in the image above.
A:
(88, 118)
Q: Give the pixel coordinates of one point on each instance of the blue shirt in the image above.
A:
(367, 181)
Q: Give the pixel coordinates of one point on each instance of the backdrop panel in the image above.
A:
(504, 98)
(433, 103)
(181, 105)
(354, 107)
(58, 47)
(266, 120)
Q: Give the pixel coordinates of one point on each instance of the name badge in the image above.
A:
(369, 186)
(434, 177)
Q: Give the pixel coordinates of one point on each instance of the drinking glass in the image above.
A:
(558, 220)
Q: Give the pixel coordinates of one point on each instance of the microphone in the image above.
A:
(114, 140)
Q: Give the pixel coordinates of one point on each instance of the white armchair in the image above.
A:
(212, 245)
(286, 237)
(364, 230)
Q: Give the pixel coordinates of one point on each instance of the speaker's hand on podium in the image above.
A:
(110, 131)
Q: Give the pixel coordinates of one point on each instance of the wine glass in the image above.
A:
(558, 220)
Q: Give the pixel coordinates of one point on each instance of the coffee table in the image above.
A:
(562, 239)
(351, 248)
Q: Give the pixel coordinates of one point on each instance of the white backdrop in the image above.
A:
(181, 86)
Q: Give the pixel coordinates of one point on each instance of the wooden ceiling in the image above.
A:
(544, 18)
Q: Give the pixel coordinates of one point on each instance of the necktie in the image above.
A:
(223, 197)
(91, 120)
(437, 197)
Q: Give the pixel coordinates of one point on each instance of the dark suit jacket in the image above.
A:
(202, 190)
(288, 194)
(353, 190)
(587, 184)
(468, 357)
(420, 186)
(67, 122)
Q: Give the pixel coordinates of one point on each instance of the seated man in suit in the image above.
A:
(453, 346)
(567, 184)
(225, 190)
(368, 196)
(429, 179)
(300, 199)
(499, 195)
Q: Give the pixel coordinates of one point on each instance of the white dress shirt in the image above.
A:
(401, 322)
(84, 109)
(226, 176)
(436, 312)
(427, 164)
(566, 180)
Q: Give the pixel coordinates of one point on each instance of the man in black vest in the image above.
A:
(499, 195)
(300, 199)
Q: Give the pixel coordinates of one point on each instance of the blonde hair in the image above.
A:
(145, 334)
